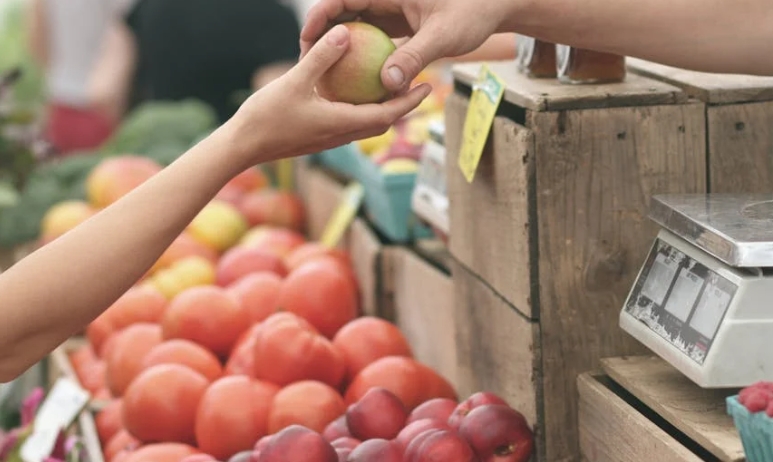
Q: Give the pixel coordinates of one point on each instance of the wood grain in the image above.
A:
(710, 88)
(497, 347)
(321, 194)
(550, 95)
(490, 218)
(613, 431)
(365, 250)
(698, 413)
(424, 311)
(595, 173)
(740, 146)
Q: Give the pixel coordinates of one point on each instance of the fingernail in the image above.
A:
(396, 75)
(338, 35)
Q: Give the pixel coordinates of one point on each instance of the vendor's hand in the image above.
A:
(288, 118)
(437, 29)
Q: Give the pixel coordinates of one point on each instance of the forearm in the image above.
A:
(53, 293)
(728, 36)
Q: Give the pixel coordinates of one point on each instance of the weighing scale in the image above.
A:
(703, 300)
(429, 200)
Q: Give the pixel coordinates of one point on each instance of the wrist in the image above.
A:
(514, 14)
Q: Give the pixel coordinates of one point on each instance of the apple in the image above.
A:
(477, 399)
(356, 77)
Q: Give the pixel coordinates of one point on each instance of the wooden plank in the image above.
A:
(551, 95)
(321, 195)
(698, 413)
(490, 218)
(497, 347)
(710, 88)
(613, 431)
(740, 143)
(365, 250)
(595, 173)
(424, 311)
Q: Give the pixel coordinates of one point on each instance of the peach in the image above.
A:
(378, 414)
(480, 398)
(343, 454)
(272, 207)
(356, 77)
(114, 177)
(297, 444)
(414, 429)
(207, 315)
(411, 451)
(498, 433)
(230, 194)
(249, 180)
(308, 403)
(241, 261)
(63, 217)
(376, 450)
(445, 445)
(337, 429)
(182, 275)
(279, 241)
(258, 294)
(346, 442)
(219, 226)
(437, 408)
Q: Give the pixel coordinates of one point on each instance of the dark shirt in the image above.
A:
(209, 49)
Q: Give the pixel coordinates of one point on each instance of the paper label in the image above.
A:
(486, 95)
(344, 215)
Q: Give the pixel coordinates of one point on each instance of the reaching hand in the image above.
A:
(437, 29)
(288, 118)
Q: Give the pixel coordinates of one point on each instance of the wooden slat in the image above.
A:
(698, 413)
(550, 95)
(595, 173)
(365, 250)
(710, 88)
(321, 194)
(613, 431)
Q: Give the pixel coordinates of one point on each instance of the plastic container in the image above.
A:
(388, 203)
(756, 431)
(344, 160)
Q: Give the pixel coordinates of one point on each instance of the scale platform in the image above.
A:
(703, 299)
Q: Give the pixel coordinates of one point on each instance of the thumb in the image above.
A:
(325, 52)
(412, 57)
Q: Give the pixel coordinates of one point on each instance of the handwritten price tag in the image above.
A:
(344, 214)
(486, 95)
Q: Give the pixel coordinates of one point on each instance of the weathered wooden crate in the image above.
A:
(739, 124)
(642, 409)
(554, 226)
(59, 366)
(418, 293)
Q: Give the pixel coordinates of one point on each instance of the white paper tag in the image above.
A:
(60, 408)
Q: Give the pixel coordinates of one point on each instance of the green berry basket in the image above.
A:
(388, 203)
(755, 429)
(344, 160)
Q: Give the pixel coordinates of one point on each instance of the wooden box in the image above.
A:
(419, 295)
(555, 225)
(59, 366)
(641, 409)
(739, 124)
(322, 193)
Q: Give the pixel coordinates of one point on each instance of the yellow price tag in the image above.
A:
(344, 214)
(285, 174)
(487, 93)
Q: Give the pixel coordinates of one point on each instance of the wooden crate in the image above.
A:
(420, 295)
(59, 366)
(554, 223)
(497, 346)
(641, 408)
(739, 124)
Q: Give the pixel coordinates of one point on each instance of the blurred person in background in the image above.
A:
(65, 37)
(211, 50)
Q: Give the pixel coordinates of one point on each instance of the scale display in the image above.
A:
(681, 300)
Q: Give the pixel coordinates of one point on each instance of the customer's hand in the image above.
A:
(437, 29)
(288, 118)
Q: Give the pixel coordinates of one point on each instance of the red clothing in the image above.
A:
(73, 129)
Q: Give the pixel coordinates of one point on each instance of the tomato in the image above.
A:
(233, 415)
(367, 339)
(140, 304)
(258, 294)
(313, 250)
(242, 358)
(321, 292)
(161, 452)
(128, 353)
(109, 421)
(160, 404)
(122, 441)
(308, 403)
(287, 350)
(187, 353)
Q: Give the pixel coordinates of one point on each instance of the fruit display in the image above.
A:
(752, 412)
(245, 334)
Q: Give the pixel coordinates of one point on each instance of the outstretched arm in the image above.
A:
(54, 292)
